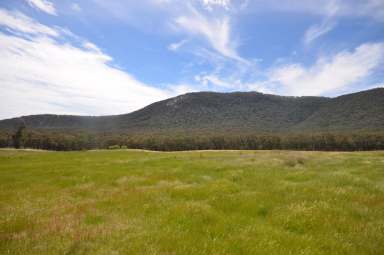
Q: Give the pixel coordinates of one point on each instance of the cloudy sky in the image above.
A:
(96, 57)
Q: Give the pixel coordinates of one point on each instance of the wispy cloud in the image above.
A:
(329, 74)
(328, 23)
(209, 20)
(18, 22)
(216, 30)
(318, 30)
(210, 4)
(175, 46)
(212, 22)
(376, 85)
(179, 89)
(42, 73)
(352, 8)
(43, 5)
(216, 82)
(76, 7)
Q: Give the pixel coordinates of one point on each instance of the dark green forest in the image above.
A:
(207, 120)
(54, 140)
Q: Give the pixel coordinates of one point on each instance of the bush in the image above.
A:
(77, 140)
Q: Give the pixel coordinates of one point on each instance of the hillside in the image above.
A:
(363, 110)
(236, 112)
(241, 111)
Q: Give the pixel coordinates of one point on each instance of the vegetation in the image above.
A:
(233, 113)
(222, 202)
(18, 139)
(207, 120)
(65, 141)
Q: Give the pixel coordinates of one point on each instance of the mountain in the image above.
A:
(362, 110)
(249, 112)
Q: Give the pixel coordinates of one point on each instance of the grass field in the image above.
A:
(227, 202)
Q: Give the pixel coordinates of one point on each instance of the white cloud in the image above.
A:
(329, 74)
(214, 80)
(232, 84)
(376, 85)
(209, 4)
(216, 30)
(39, 74)
(92, 47)
(177, 45)
(17, 21)
(368, 8)
(318, 30)
(182, 89)
(229, 70)
(43, 5)
(328, 23)
(76, 7)
(182, 17)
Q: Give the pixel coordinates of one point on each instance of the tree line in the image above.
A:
(67, 141)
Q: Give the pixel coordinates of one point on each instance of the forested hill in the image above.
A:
(238, 112)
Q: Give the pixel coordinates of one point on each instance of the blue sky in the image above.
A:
(96, 57)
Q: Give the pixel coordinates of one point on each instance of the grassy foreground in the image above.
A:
(227, 202)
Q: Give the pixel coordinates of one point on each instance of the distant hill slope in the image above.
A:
(240, 111)
(362, 110)
(236, 112)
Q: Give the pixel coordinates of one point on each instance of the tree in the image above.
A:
(19, 137)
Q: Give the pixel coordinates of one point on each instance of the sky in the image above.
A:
(97, 57)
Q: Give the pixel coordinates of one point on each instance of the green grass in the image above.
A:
(222, 202)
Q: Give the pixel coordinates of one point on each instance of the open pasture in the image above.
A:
(201, 202)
